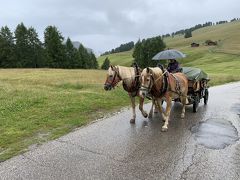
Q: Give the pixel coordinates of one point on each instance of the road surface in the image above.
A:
(205, 145)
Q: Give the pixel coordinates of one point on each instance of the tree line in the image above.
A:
(24, 49)
(123, 47)
(143, 52)
(145, 49)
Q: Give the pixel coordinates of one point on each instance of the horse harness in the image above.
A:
(165, 85)
(135, 85)
(177, 89)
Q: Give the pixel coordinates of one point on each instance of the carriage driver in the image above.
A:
(173, 66)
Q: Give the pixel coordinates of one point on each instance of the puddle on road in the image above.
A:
(215, 133)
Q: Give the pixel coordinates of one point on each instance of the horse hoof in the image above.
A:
(150, 116)
(145, 115)
(164, 129)
(182, 116)
(132, 121)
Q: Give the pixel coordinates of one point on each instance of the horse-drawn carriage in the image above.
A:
(197, 86)
(188, 86)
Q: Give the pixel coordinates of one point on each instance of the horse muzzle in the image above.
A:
(143, 93)
(107, 87)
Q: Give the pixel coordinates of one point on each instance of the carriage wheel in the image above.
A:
(195, 103)
(206, 97)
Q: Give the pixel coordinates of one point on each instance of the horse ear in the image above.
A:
(148, 70)
(111, 67)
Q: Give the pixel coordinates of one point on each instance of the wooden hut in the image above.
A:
(194, 44)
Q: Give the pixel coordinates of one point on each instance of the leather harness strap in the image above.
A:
(166, 85)
(178, 87)
(154, 91)
(135, 85)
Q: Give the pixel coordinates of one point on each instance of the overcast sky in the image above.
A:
(105, 24)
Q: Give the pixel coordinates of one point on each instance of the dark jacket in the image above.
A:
(173, 67)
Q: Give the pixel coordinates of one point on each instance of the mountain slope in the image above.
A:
(221, 62)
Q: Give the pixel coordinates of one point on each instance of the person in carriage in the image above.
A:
(173, 66)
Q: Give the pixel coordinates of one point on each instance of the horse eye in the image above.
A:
(111, 76)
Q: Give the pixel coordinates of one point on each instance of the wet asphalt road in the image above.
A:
(114, 149)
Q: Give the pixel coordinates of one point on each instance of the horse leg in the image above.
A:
(133, 109)
(168, 110)
(144, 113)
(183, 101)
(155, 109)
(151, 110)
(159, 105)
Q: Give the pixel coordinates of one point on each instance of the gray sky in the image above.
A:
(105, 24)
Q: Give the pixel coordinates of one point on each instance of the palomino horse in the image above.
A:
(164, 85)
(130, 77)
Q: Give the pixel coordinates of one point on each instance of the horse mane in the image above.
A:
(156, 71)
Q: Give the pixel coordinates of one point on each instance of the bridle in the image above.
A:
(112, 81)
(152, 82)
(148, 88)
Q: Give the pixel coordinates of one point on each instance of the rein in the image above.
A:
(160, 76)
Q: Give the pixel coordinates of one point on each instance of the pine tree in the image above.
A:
(94, 61)
(6, 48)
(36, 58)
(22, 47)
(105, 64)
(145, 50)
(138, 53)
(55, 51)
(71, 55)
(84, 57)
(188, 34)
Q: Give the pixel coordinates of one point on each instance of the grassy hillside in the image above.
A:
(123, 58)
(221, 62)
(227, 35)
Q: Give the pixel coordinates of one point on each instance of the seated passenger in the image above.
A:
(173, 66)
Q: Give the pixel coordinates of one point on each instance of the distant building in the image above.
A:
(211, 43)
(194, 44)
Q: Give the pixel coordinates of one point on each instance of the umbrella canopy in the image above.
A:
(169, 54)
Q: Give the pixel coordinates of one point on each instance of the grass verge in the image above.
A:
(43, 104)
